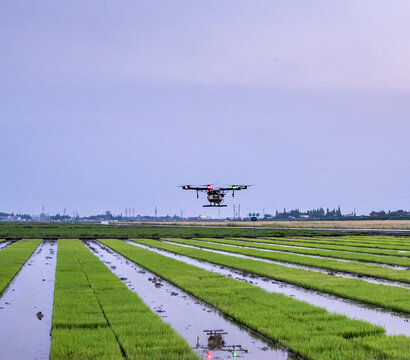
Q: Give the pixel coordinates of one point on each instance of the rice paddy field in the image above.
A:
(137, 292)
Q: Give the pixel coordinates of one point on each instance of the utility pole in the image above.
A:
(156, 211)
(234, 211)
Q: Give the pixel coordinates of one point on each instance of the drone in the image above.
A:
(215, 195)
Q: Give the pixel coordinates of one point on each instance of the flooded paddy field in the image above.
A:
(333, 272)
(26, 307)
(131, 299)
(394, 323)
(189, 316)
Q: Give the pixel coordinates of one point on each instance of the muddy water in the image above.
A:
(304, 267)
(4, 244)
(391, 266)
(187, 315)
(26, 308)
(394, 323)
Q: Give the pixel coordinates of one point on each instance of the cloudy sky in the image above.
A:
(112, 104)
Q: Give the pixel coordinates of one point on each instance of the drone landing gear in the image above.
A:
(215, 205)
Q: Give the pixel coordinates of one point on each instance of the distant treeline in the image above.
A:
(336, 214)
(294, 214)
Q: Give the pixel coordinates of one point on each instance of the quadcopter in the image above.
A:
(215, 195)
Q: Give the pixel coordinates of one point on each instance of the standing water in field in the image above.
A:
(395, 324)
(26, 307)
(187, 315)
(389, 266)
(333, 272)
(4, 244)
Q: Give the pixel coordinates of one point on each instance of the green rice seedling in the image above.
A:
(345, 242)
(369, 239)
(75, 343)
(12, 258)
(328, 264)
(308, 331)
(298, 242)
(385, 296)
(90, 300)
(390, 260)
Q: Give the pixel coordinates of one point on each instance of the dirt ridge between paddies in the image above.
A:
(309, 331)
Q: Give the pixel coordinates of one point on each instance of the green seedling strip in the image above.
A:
(296, 242)
(391, 260)
(372, 239)
(12, 258)
(347, 267)
(389, 297)
(346, 242)
(96, 316)
(308, 331)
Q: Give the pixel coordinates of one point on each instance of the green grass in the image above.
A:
(96, 316)
(12, 258)
(389, 297)
(347, 267)
(391, 260)
(318, 245)
(309, 331)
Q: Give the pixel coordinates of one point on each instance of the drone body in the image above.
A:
(215, 195)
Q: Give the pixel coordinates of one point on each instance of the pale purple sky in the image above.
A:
(108, 105)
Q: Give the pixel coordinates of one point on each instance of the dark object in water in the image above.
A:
(215, 342)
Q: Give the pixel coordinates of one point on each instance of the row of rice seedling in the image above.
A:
(96, 316)
(12, 258)
(300, 243)
(391, 260)
(309, 331)
(345, 242)
(389, 297)
(347, 267)
(370, 239)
